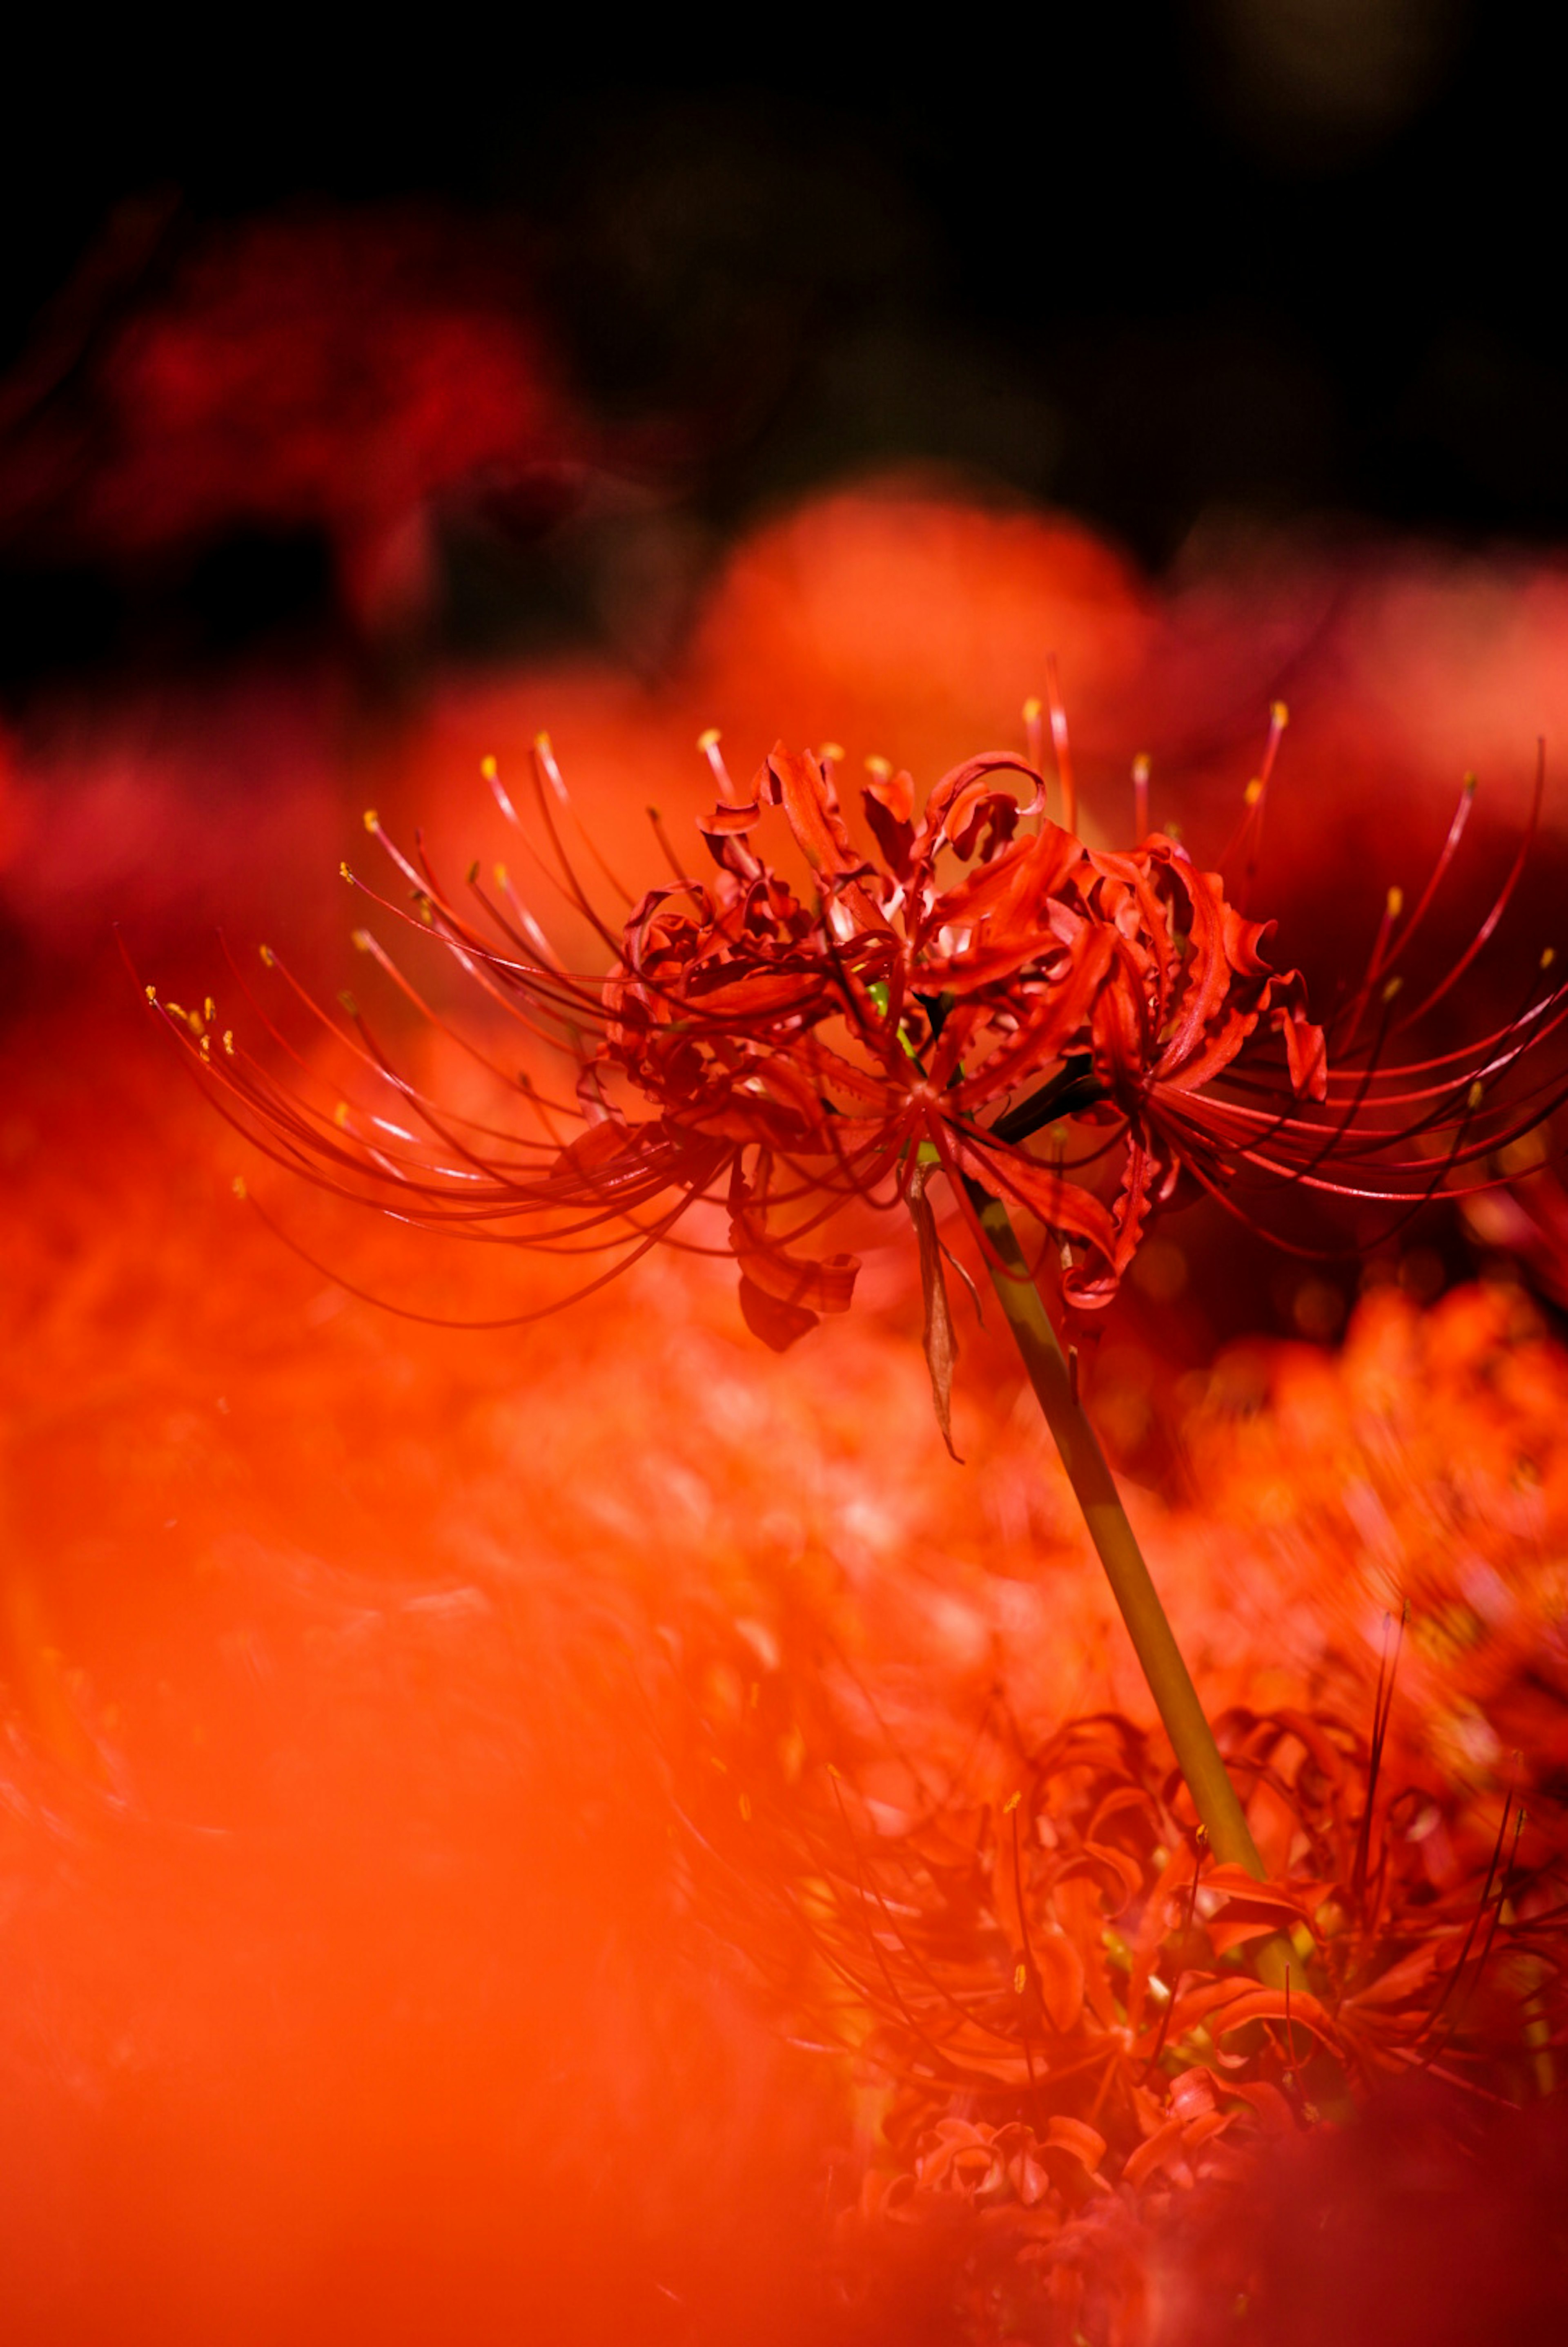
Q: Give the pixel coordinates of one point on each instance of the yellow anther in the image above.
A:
(488, 769)
(267, 956)
(709, 741)
(542, 743)
(1254, 790)
(746, 1808)
(1396, 903)
(1391, 988)
(880, 767)
(1279, 713)
(830, 753)
(229, 1041)
(1011, 1803)
(209, 1011)
(1472, 784)
(340, 1113)
(152, 993)
(363, 940)
(373, 820)
(344, 868)
(174, 1011)
(1474, 1096)
(1547, 959)
(501, 875)
(206, 1047)
(239, 1189)
(1032, 709)
(1142, 765)
(1020, 1980)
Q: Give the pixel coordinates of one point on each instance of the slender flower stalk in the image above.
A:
(1148, 1625)
(967, 994)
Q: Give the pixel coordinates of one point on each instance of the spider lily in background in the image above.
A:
(970, 992)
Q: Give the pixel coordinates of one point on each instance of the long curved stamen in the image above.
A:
(1435, 879)
(1061, 747)
(1248, 832)
(439, 1320)
(1487, 928)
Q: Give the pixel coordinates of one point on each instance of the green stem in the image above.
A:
(1170, 1681)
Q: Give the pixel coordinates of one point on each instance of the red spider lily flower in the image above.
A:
(1045, 1984)
(973, 992)
(920, 1014)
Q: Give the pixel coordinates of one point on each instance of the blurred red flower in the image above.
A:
(344, 372)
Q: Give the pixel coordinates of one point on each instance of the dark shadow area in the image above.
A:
(1212, 261)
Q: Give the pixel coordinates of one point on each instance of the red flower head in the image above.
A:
(972, 991)
(979, 979)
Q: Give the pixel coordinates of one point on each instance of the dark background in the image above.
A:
(1229, 262)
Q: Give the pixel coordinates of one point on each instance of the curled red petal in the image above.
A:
(797, 785)
(825, 1285)
(779, 1324)
(889, 803)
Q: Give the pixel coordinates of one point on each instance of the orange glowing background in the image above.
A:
(356, 1983)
